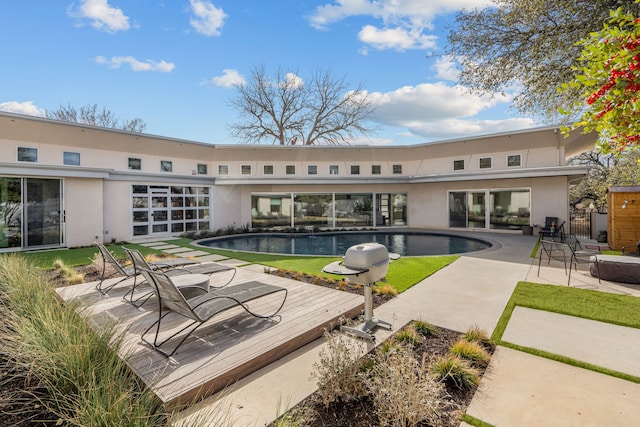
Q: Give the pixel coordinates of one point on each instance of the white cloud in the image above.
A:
(436, 110)
(445, 67)
(102, 16)
(208, 19)
(292, 81)
(458, 128)
(26, 107)
(395, 38)
(420, 12)
(229, 77)
(135, 64)
(404, 22)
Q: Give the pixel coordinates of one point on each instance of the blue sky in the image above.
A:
(172, 63)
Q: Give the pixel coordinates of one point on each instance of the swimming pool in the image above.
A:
(405, 243)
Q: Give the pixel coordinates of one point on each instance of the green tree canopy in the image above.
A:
(608, 83)
(529, 46)
(607, 170)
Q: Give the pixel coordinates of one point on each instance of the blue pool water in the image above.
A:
(403, 243)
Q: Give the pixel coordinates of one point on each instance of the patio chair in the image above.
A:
(628, 250)
(553, 232)
(109, 260)
(202, 308)
(130, 271)
(192, 267)
(553, 250)
(566, 252)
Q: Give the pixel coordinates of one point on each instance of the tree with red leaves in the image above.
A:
(608, 82)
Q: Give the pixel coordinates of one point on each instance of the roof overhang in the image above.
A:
(25, 169)
(571, 171)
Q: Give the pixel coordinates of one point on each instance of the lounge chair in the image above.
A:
(129, 271)
(109, 260)
(202, 308)
(139, 262)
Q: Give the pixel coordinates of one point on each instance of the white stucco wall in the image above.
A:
(117, 211)
(83, 205)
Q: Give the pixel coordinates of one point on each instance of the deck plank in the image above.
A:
(229, 347)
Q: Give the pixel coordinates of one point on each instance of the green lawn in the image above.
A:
(403, 273)
(589, 304)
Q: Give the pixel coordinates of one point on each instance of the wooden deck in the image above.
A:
(226, 349)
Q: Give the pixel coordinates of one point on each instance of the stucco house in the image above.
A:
(67, 185)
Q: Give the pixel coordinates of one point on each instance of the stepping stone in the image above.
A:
(211, 257)
(177, 250)
(152, 244)
(166, 246)
(232, 262)
(192, 254)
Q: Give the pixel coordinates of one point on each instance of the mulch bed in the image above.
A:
(360, 413)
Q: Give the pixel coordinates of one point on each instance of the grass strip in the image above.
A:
(78, 256)
(570, 361)
(588, 304)
(474, 421)
(403, 273)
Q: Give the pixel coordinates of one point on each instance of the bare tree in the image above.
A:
(286, 110)
(91, 114)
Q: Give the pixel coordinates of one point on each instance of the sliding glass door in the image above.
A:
(490, 209)
(43, 212)
(31, 213)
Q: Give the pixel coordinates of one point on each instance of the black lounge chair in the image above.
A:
(139, 262)
(202, 308)
(129, 271)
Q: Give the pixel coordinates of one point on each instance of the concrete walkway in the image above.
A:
(518, 389)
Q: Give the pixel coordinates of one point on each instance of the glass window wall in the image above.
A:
(328, 210)
(162, 209)
(353, 210)
(313, 210)
(507, 209)
(270, 210)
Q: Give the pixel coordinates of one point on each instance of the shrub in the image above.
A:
(318, 280)
(476, 334)
(338, 370)
(83, 380)
(342, 285)
(70, 274)
(471, 351)
(408, 335)
(403, 391)
(455, 371)
(425, 328)
(385, 290)
(390, 346)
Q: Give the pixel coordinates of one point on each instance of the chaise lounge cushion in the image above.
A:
(616, 268)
